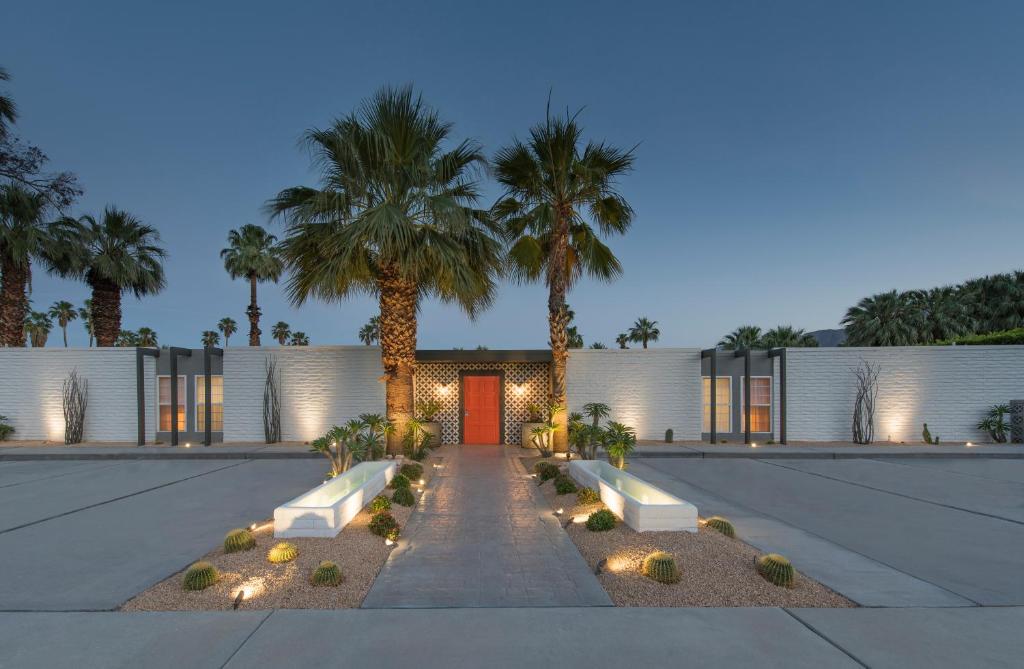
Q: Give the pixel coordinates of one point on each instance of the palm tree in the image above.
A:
(369, 334)
(85, 313)
(126, 338)
(37, 326)
(24, 237)
(598, 345)
(281, 331)
(228, 327)
(392, 217)
(643, 331)
(885, 319)
(994, 302)
(556, 193)
(945, 312)
(210, 338)
(786, 336)
(743, 338)
(573, 339)
(147, 337)
(8, 110)
(64, 312)
(622, 340)
(299, 339)
(253, 254)
(116, 254)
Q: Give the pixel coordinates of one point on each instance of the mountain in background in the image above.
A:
(829, 337)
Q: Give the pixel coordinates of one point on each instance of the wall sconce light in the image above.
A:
(519, 389)
(442, 389)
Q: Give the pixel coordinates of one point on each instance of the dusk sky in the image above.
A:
(792, 157)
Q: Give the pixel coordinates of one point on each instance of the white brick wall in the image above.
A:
(949, 387)
(652, 390)
(31, 382)
(320, 386)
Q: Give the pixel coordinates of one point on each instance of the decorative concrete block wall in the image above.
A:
(651, 390)
(320, 386)
(31, 392)
(949, 387)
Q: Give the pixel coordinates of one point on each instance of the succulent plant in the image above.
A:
(587, 496)
(412, 471)
(546, 470)
(392, 534)
(661, 567)
(380, 503)
(776, 569)
(282, 552)
(382, 523)
(200, 576)
(239, 539)
(326, 573)
(722, 525)
(564, 485)
(601, 521)
(404, 497)
(399, 481)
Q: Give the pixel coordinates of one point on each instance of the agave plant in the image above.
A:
(995, 423)
(376, 429)
(416, 440)
(341, 445)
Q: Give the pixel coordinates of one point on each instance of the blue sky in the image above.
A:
(793, 156)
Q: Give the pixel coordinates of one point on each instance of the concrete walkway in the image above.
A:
(481, 537)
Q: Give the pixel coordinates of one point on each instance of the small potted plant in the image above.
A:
(535, 420)
(427, 411)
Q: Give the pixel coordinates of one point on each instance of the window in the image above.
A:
(216, 403)
(760, 404)
(723, 404)
(163, 402)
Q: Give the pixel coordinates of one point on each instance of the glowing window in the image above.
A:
(163, 401)
(723, 404)
(760, 404)
(216, 403)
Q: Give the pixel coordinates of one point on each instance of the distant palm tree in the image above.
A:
(228, 327)
(281, 331)
(147, 337)
(24, 238)
(8, 110)
(114, 254)
(37, 327)
(369, 334)
(743, 338)
(994, 302)
(622, 340)
(126, 338)
(945, 312)
(786, 336)
(643, 331)
(85, 313)
(253, 254)
(885, 319)
(299, 339)
(210, 338)
(63, 312)
(597, 345)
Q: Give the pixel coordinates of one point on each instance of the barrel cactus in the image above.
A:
(382, 523)
(404, 497)
(412, 471)
(327, 573)
(399, 481)
(601, 521)
(587, 496)
(722, 525)
(200, 576)
(564, 485)
(380, 503)
(239, 539)
(776, 569)
(661, 567)
(283, 552)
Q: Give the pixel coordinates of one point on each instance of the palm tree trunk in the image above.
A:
(558, 321)
(106, 319)
(254, 313)
(13, 304)
(398, 298)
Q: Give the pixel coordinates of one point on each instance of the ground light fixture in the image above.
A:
(559, 511)
(600, 566)
(969, 445)
(423, 482)
(389, 542)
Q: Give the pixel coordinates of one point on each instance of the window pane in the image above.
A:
(216, 403)
(164, 403)
(760, 392)
(723, 406)
(760, 419)
(165, 418)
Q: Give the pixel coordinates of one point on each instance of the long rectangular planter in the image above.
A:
(642, 506)
(327, 508)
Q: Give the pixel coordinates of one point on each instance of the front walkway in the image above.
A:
(481, 537)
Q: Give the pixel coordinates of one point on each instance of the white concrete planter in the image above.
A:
(327, 508)
(642, 506)
(527, 437)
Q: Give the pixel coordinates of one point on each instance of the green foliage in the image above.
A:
(239, 539)
(6, 429)
(412, 471)
(995, 423)
(546, 470)
(661, 567)
(643, 331)
(587, 496)
(393, 533)
(399, 481)
(601, 521)
(428, 409)
(776, 569)
(417, 439)
(535, 411)
(200, 576)
(669, 434)
(564, 485)
(722, 525)
(282, 552)
(327, 573)
(380, 503)
(404, 497)
(382, 523)
(926, 436)
(1001, 338)
(619, 442)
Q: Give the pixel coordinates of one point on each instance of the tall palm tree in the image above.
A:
(253, 254)
(556, 192)
(885, 319)
(743, 338)
(63, 312)
(393, 217)
(622, 340)
(281, 331)
(369, 334)
(8, 110)
(299, 339)
(643, 331)
(946, 314)
(786, 336)
(85, 313)
(210, 338)
(147, 337)
(228, 327)
(37, 326)
(24, 238)
(116, 254)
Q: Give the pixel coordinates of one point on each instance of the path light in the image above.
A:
(753, 444)
(969, 445)
(389, 542)
(423, 482)
(252, 527)
(559, 511)
(600, 566)
(188, 445)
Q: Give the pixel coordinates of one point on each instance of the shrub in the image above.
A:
(327, 573)
(404, 497)
(722, 525)
(239, 540)
(546, 470)
(282, 552)
(427, 409)
(601, 521)
(661, 567)
(668, 436)
(380, 503)
(995, 422)
(382, 523)
(564, 485)
(399, 481)
(412, 471)
(588, 496)
(200, 576)
(1002, 337)
(392, 534)
(6, 429)
(776, 569)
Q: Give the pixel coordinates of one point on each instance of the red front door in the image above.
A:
(481, 409)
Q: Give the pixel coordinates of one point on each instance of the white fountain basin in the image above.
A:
(327, 508)
(644, 507)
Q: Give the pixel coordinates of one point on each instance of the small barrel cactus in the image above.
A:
(200, 576)
(722, 525)
(601, 521)
(380, 503)
(564, 485)
(327, 573)
(404, 497)
(776, 569)
(587, 496)
(282, 552)
(669, 434)
(239, 539)
(412, 471)
(661, 567)
(399, 481)
(382, 523)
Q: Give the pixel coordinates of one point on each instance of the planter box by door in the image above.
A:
(527, 439)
